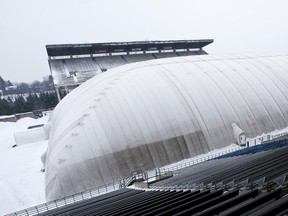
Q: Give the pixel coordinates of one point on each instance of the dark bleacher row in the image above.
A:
(197, 202)
(257, 148)
(242, 170)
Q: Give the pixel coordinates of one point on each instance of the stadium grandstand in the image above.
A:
(153, 113)
(73, 64)
(111, 138)
(254, 183)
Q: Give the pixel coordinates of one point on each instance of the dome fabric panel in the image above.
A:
(149, 114)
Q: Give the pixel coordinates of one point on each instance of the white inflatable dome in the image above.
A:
(150, 114)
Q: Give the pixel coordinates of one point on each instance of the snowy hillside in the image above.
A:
(21, 181)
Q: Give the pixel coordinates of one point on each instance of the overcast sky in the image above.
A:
(237, 26)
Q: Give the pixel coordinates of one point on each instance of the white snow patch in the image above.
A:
(21, 181)
(6, 116)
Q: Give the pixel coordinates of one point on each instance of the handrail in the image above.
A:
(135, 175)
(123, 183)
(264, 138)
(68, 200)
(200, 160)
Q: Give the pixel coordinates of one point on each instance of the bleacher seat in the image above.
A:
(250, 182)
(257, 148)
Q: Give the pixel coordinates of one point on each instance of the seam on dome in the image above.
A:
(187, 104)
(255, 92)
(265, 87)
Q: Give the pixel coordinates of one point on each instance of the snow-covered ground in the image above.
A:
(21, 181)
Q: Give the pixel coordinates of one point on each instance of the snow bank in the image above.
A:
(29, 136)
(21, 181)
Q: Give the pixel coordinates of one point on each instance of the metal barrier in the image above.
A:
(137, 175)
(264, 138)
(123, 183)
(68, 200)
(199, 160)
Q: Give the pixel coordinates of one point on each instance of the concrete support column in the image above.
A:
(58, 94)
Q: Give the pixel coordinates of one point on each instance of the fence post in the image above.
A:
(37, 209)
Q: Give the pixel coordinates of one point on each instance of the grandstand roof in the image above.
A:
(114, 47)
(74, 71)
(152, 113)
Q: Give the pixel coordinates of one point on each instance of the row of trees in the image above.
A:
(33, 102)
(21, 88)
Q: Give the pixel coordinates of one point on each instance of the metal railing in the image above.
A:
(200, 160)
(265, 138)
(137, 175)
(68, 200)
(123, 183)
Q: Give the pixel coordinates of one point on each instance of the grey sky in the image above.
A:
(237, 26)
